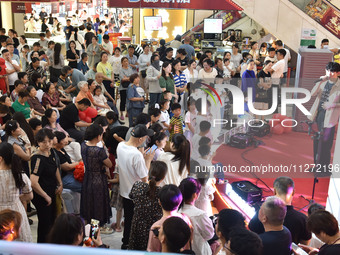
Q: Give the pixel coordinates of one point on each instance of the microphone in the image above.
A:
(322, 78)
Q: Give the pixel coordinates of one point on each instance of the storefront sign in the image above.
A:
(68, 6)
(308, 37)
(331, 21)
(55, 8)
(18, 8)
(84, 1)
(176, 4)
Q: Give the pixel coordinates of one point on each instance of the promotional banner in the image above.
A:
(18, 8)
(177, 4)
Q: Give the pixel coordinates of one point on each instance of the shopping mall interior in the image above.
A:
(250, 156)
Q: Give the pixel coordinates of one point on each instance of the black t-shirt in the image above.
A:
(184, 62)
(167, 60)
(295, 221)
(45, 168)
(44, 27)
(276, 242)
(71, 55)
(110, 142)
(88, 38)
(64, 158)
(68, 30)
(69, 116)
(263, 75)
(330, 249)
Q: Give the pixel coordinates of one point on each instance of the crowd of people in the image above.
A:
(61, 129)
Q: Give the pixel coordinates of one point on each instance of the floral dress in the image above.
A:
(147, 211)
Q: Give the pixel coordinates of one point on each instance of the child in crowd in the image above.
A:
(190, 119)
(202, 225)
(155, 114)
(160, 140)
(164, 118)
(100, 99)
(204, 199)
(116, 200)
(91, 74)
(176, 122)
(204, 130)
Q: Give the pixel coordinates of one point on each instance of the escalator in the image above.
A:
(286, 19)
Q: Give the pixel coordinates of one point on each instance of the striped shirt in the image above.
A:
(176, 124)
(180, 81)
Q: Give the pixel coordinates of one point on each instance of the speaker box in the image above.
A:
(247, 191)
(241, 140)
(257, 130)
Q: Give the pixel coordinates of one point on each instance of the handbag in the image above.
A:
(143, 73)
(78, 172)
(125, 84)
(82, 45)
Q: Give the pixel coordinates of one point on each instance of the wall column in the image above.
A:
(6, 15)
(136, 24)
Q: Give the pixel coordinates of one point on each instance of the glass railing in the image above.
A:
(324, 12)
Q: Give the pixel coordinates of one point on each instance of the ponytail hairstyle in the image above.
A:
(56, 56)
(13, 161)
(189, 186)
(158, 170)
(181, 152)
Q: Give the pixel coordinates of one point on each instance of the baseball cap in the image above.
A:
(140, 130)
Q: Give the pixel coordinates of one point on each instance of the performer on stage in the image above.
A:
(326, 112)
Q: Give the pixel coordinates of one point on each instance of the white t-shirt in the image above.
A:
(226, 72)
(274, 59)
(108, 46)
(131, 166)
(14, 76)
(208, 77)
(278, 68)
(164, 118)
(236, 59)
(116, 63)
(189, 118)
(172, 176)
(287, 57)
(190, 77)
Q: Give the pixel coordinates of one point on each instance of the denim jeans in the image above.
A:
(70, 183)
(133, 113)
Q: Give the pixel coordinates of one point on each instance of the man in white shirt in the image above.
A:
(133, 166)
(277, 73)
(10, 48)
(107, 45)
(12, 68)
(279, 45)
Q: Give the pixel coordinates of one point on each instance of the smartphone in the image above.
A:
(94, 228)
(153, 148)
(298, 249)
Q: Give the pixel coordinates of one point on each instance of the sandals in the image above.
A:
(114, 226)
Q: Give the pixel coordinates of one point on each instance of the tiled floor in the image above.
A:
(114, 240)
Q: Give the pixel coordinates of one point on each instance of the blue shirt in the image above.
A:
(132, 92)
(82, 67)
(249, 81)
(189, 50)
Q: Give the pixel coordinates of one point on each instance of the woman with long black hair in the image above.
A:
(56, 61)
(177, 159)
(14, 186)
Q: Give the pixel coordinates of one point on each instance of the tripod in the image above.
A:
(316, 135)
